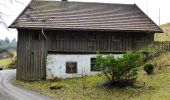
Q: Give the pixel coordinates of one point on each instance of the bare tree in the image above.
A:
(2, 14)
(6, 6)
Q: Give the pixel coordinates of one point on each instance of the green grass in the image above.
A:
(147, 88)
(153, 87)
(163, 36)
(7, 61)
(166, 28)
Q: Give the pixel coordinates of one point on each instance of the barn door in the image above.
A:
(38, 56)
(31, 55)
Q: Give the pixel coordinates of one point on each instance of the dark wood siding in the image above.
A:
(31, 56)
(77, 41)
(33, 47)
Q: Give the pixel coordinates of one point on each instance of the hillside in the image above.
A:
(164, 36)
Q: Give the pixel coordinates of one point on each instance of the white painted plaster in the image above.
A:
(56, 65)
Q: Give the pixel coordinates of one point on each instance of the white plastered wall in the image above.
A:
(56, 65)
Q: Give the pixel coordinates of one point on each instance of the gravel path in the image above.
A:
(11, 92)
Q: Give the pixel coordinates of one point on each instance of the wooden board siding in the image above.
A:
(33, 47)
(77, 41)
(31, 56)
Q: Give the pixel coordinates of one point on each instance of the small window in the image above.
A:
(138, 38)
(93, 36)
(93, 60)
(36, 36)
(71, 67)
(60, 37)
(115, 38)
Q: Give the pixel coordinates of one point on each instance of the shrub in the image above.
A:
(149, 68)
(153, 50)
(120, 71)
(12, 65)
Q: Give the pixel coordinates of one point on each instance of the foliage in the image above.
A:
(153, 51)
(122, 70)
(12, 65)
(5, 41)
(7, 44)
(149, 68)
(4, 62)
(161, 63)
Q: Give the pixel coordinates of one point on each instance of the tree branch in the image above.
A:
(4, 5)
(19, 2)
(3, 22)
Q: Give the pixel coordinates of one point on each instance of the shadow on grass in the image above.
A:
(125, 85)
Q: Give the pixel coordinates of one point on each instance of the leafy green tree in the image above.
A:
(122, 70)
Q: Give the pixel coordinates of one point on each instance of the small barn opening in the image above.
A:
(92, 64)
(71, 67)
(36, 36)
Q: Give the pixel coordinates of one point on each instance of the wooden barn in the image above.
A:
(5, 54)
(59, 38)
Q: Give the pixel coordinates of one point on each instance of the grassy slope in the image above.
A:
(154, 87)
(5, 62)
(164, 36)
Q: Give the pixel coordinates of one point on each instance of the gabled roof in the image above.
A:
(86, 16)
(4, 51)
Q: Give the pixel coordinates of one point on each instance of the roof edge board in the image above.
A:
(161, 31)
(78, 29)
(85, 2)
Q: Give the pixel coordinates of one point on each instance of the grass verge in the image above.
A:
(147, 87)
